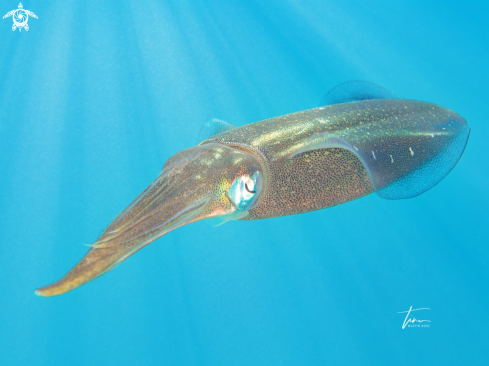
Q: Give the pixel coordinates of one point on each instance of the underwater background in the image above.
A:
(98, 94)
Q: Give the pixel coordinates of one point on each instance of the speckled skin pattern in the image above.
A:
(307, 160)
(312, 181)
(327, 177)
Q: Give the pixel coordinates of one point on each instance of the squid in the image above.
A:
(362, 139)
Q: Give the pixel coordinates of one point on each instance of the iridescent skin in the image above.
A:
(320, 178)
(308, 160)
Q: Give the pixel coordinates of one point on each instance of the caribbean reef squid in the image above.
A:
(360, 140)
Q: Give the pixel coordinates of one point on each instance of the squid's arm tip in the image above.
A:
(95, 263)
(51, 290)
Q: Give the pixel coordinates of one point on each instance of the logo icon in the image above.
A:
(411, 321)
(20, 17)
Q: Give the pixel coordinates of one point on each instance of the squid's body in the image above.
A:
(286, 165)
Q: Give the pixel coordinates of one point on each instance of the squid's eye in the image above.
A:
(244, 190)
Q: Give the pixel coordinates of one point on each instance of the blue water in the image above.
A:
(98, 94)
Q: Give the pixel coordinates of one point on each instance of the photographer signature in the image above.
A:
(412, 320)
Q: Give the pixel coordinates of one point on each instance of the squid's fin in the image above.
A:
(354, 91)
(213, 127)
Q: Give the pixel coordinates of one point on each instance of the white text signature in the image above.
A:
(412, 320)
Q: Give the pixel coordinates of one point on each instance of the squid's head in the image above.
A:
(208, 181)
(205, 181)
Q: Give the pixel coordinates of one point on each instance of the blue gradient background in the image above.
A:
(98, 94)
